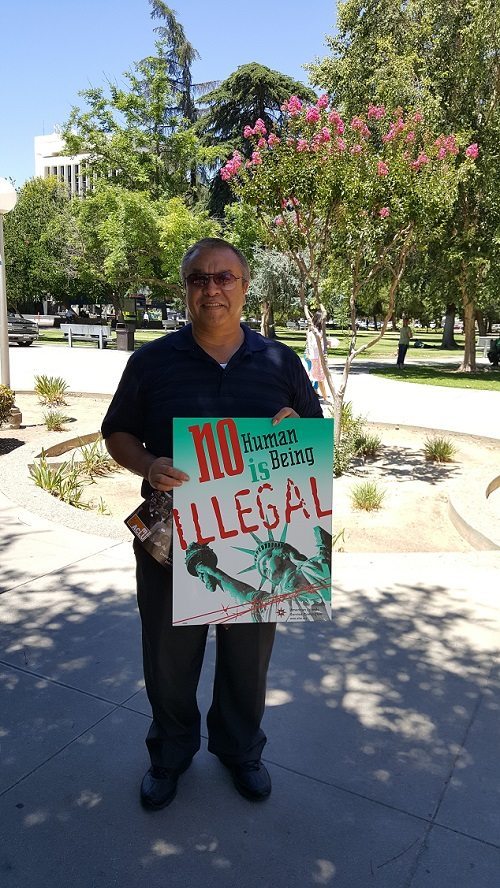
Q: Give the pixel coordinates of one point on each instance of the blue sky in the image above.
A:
(51, 50)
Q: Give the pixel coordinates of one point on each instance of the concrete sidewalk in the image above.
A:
(383, 726)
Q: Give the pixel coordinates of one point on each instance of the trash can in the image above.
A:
(125, 336)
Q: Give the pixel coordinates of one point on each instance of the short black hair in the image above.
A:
(216, 243)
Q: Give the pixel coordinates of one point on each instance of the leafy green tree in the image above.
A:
(361, 194)
(118, 247)
(274, 288)
(179, 227)
(252, 91)
(131, 136)
(178, 56)
(442, 57)
(243, 229)
(36, 234)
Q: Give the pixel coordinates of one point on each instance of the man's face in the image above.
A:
(214, 306)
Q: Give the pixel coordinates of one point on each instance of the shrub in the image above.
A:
(367, 496)
(51, 390)
(7, 397)
(95, 460)
(60, 481)
(351, 428)
(368, 445)
(54, 420)
(439, 449)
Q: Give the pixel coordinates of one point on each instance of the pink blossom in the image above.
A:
(273, 140)
(312, 115)
(382, 168)
(384, 212)
(232, 166)
(421, 161)
(472, 151)
(410, 137)
(335, 119)
(376, 112)
(262, 143)
(360, 126)
(260, 127)
(418, 117)
(322, 101)
(278, 220)
(302, 145)
(248, 132)
(293, 106)
(396, 127)
(357, 123)
(256, 157)
(341, 145)
(446, 145)
(325, 134)
(356, 149)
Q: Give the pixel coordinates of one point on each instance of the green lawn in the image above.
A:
(484, 379)
(385, 348)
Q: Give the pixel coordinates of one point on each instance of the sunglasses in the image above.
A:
(224, 279)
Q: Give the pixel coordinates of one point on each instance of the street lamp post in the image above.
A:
(8, 199)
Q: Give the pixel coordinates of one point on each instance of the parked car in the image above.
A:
(21, 331)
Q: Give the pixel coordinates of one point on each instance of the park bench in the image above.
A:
(484, 344)
(99, 333)
(173, 323)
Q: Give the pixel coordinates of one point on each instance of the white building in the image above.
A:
(50, 160)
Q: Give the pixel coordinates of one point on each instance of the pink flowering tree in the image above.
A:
(353, 197)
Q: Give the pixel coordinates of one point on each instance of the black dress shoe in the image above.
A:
(159, 786)
(251, 779)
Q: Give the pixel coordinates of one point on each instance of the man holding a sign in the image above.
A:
(213, 367)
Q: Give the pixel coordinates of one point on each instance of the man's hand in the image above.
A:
(285, 413)
(163, 476)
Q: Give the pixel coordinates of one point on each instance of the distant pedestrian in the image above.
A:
(312, 355)
(405, 335)
(145, 319)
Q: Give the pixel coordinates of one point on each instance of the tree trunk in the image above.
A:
(468, 364)
(267, 320)
(481, 323)
(448, 339)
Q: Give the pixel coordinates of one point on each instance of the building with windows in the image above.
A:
(50, 160)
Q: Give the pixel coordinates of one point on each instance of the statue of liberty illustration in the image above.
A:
(292, 587)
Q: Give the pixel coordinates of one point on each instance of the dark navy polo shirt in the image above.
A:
(173, 376)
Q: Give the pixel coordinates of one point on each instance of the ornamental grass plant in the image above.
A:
(62, 482)
(440, 449)
(55, 420)
(51, 390)
(94, 460)
(367, 496)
